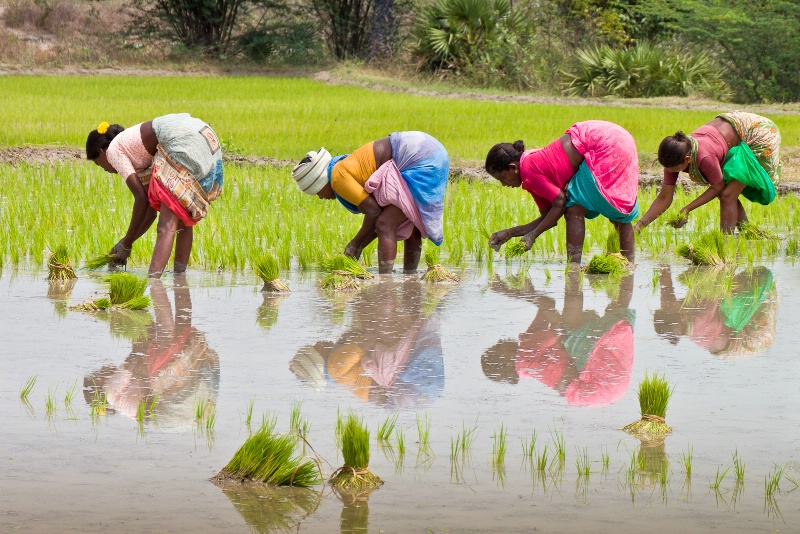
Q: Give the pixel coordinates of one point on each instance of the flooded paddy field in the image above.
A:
(498, 358)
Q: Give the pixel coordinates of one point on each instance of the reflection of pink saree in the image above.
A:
(602, 380)
(707, 326)
(607, 372)
(384, 363)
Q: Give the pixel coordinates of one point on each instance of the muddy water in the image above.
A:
(561, 356)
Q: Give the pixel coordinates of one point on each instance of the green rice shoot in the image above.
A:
(340, 262)
(436, 271)
(612, 263)
(675, 219)
(355, 472)
(612, 243)
(339, 281)
(271, 459)
(268, 270)
(711, 248)
(98, 262)
(750, 231)
(59, 265)
(126, 292)
(654, 394)
(515, 248)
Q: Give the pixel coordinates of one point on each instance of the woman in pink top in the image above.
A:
(735, 154)
(591, 170)
(173, 167)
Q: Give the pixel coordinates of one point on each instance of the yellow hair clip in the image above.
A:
(102, 127)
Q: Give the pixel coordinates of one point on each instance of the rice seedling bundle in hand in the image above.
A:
(749, 230)
(515, 248)
(436, 272)
(59, 265)
(98, 262)
(268, 270)
(654, 394)
(614, 264)
(711, 248)
(340, 262)
(355, 472)
(271, 459)
(675, 219)
(126, 291)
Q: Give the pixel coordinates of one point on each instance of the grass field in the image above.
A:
(285, 117)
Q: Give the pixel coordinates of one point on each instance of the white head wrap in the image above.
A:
(311, 176)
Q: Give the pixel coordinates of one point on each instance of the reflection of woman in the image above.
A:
(591, 170)
(173, 362)
(735, 154)
(730, 323)
(397, 182)
(391, 354)
(584, 356)
(173, 167)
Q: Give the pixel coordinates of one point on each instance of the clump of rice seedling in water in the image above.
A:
(268, 270)
(271, 459)
(738, 466)
(436, 272)
(386, 428)
(126, 292)
(355, 472)
(654, 394)
(749, 230)
(339, 281)
(499, 447)
(59, 265)
(515, 248)
(26, 389)
(712, 248)
(340, 262)
(612, 263)
(686, 459)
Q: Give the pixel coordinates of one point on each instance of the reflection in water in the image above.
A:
(267, 313)
(59, 291)
(390, 355)
(355, 509)
(268, 508)
(729, 314)
(585, 356)
(169, 362)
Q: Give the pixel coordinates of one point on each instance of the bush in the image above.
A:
(642, 71)
(345, 25)
(282, 41)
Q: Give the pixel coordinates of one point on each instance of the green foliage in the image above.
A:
(340, 262)
(711, 248)
(654, 394)
(267, 268)
(642, 70)
(98, 262)
(124, 287)
(344, 24)
(355, 443)
(614, 264)
(271, 459)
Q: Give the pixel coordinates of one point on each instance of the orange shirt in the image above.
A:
(350, 174)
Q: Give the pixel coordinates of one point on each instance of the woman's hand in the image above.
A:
(528, 239)
(121, 255)
(684, 218)
(353, 250)
(497, 239)
(638, 226)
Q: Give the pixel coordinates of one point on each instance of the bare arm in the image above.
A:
(371, 210)
(662, 202)
(548, 220)
(713, 191)
(142, 216)
(498, 238)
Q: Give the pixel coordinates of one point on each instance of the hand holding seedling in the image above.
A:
(120, 253)
(499, 238)
(353, 250)
(679, 220)
(528, 240)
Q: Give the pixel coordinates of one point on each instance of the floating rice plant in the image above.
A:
(271, 459)
(436, 271)
(70, 395)
(686, 460)
(297, 424)
(339, 429)
(499, 447)
(605, 459)
(424, 431)
(654, 394)
(739, 466)
(50, 401)
(772, 481)
(712, 248)
(560, 447)
(719, 478)
(386, 429)
(268, 271)
(529, 448)
(582, 463)
(541, 460)
(59, 265)
(752, 231)
(126, 292)
(27, 387)
(401, 442)
(612, 263)
(249, 413)
(355, 472)
(141, 408)
(99, 403)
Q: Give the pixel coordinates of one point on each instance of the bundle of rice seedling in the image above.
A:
(347, 264)
(339, 281)
(59, 265)
(355, 472)
(515, 248)
(436, 272)
(612, 263)
(749, 230)
(98, 262)
(126, 291)
(654, 394)
(676, 219)
(271, 459)
(268, 270)
(711, 248)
